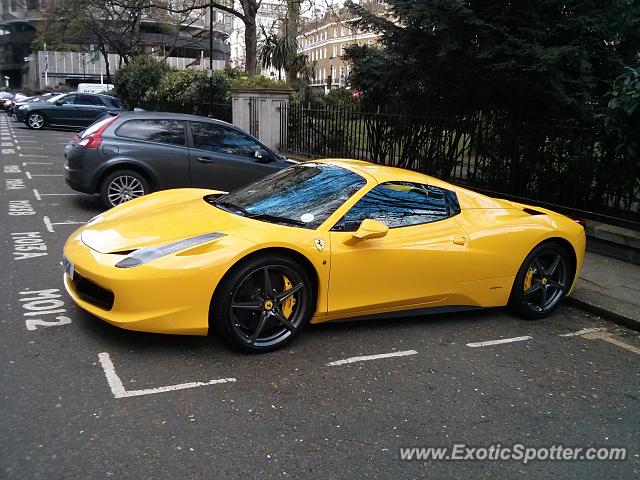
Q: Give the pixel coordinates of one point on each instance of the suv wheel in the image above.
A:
(35, 121)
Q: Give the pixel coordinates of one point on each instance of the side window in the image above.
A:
(400, 204)
(161, 131)
(68, 99)
(113, 102)
(220, 139)
(88, 100)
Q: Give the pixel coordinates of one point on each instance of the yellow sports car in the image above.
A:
(318, 241)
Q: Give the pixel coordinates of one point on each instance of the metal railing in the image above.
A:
(571, 169)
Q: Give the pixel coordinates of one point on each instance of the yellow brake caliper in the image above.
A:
(528, 278)
(287, 305)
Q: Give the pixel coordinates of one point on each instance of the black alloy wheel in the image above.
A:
(263, 303)
(542, 282)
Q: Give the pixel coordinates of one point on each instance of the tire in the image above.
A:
(542, 282)
(35, 121)
(121, 186)
(262, 323)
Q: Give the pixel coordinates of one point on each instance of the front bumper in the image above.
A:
(169, 295)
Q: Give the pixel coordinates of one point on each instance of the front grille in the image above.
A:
(92, 293)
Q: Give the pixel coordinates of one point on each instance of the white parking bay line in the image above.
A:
(582, 332)
(118, 390)
(39, 195)
(371, 357)
(498, 342)
(49, 224)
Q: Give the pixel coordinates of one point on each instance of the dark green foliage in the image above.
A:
(142, 73)
(550, 59)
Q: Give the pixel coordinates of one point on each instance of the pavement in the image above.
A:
(611, 288)
(81, 399)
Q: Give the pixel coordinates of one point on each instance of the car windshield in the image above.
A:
(304, 195)
(57, 97)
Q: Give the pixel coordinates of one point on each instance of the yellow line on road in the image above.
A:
(608, 337)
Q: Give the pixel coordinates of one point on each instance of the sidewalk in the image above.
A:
(609, 288)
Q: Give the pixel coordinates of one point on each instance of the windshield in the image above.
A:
(304, 195)
(57, 97)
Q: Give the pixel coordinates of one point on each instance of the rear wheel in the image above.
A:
(262, 304)
(542, 281)
(35, 121)
(121, 186)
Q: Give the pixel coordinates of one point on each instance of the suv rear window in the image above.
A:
(162, 131)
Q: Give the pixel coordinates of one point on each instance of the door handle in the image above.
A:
(205, 159)
(460, 240)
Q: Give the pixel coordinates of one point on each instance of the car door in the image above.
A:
(158, 144)
(419, 261)
(88, 108)
(225, 158)
(63, 111)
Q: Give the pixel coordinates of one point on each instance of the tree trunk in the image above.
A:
(250, 9)
(293, 21)
(105, 55)
(251, 47)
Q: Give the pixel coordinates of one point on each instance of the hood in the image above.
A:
(157, 219)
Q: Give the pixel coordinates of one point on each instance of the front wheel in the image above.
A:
(35, 121)
(121, 186)
(542, 281)
(263, 303)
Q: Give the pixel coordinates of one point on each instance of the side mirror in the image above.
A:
(262, 156)
(370, 229)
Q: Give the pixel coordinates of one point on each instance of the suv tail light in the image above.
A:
(92, 136)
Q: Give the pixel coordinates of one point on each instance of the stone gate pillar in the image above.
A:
(261, 112)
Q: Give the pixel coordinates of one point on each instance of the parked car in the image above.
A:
(251, 266)
(68, 110)
(36, 98)
(8, 101)
(134, 153)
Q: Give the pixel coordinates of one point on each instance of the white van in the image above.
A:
(94, 87)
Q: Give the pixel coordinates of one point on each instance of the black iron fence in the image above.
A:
(575, 170)
(221, 111)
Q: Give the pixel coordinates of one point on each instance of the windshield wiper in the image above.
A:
(276, 219)
(231, 206)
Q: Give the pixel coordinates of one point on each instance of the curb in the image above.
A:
(608, 314)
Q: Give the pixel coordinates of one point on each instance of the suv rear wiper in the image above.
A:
(277, 219)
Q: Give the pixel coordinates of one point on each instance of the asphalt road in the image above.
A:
(286, 414)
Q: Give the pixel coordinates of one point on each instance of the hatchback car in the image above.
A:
(68, 110)
(129, 155)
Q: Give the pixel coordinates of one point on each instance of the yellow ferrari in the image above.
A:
(316, 242)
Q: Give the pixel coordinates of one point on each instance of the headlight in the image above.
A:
(145, 255)
(23, 107)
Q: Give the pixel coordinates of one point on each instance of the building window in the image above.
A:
(325, 52)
